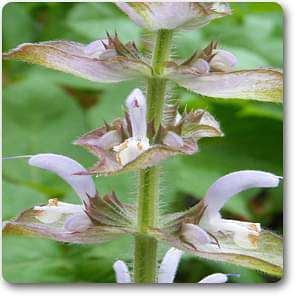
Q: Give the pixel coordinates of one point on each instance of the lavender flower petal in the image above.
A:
(215, 278)
(65, 167)
(121, 271)
(137, 109)
(229, 185)
(169, 265)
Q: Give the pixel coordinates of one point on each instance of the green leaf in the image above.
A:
(14, 18)
(19, 197)
(34, 261)
(93, 20)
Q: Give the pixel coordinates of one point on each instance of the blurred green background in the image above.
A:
(44, 111)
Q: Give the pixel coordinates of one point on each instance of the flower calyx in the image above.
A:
(110, 211)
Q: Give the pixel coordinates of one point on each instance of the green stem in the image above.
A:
(145, 255)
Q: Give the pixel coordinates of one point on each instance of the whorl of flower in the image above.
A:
(174, 15)
(208, 72)
(124, 145)
(97, 219)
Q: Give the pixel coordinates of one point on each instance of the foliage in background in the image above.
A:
(44, 111)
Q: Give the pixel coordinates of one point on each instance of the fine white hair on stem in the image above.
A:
(169, 265)
(121, 271)
(229, 185)
(66, 167)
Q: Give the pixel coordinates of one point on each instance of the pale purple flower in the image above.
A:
(167, 270)
(217, 278)
(84, 186)
(96, 220)
(131, 148)
(121, 271)
(245, 234)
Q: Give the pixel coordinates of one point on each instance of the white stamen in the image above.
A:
(130, 150)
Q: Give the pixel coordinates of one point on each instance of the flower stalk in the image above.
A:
(148, 195)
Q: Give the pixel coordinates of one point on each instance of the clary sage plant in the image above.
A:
(151, 130)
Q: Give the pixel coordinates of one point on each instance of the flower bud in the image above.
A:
(195, 235)
(201, 66)
(96, 48)
(222, 61)
(77, 223)
(173, 140)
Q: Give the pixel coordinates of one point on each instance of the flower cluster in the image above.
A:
(132, 143)
(137, 142)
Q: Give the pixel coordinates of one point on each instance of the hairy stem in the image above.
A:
(145, 255)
